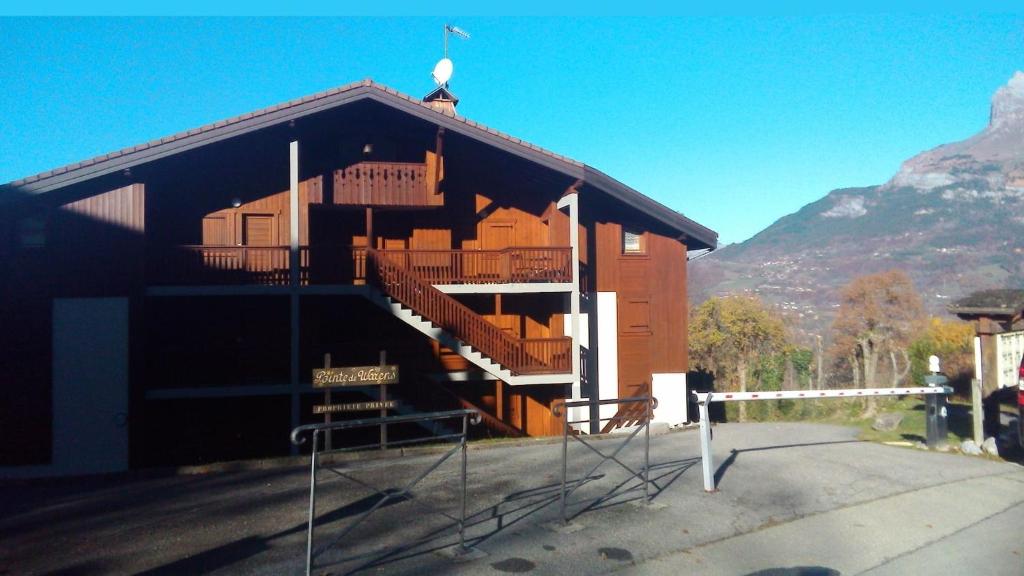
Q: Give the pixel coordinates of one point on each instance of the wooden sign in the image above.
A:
(354, 407)
(355, 376)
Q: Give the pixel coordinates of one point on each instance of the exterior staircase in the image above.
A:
(517, 361)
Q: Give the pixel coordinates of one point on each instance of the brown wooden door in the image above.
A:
(496, 236)
(258, 231)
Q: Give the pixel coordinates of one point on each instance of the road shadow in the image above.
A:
(733, 454)
(797, 571)
(512, 510)
(239, 550)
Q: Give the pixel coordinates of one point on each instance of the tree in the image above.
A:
(950, 340)
(728, 335)
(878, 315)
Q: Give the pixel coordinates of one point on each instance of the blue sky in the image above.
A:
(734, 121)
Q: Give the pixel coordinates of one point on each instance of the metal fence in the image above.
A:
(318, 433)
(644, 424)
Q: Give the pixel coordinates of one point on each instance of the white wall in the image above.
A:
(584, 328)
(670, 390)
(607, 351)
(1009, 349)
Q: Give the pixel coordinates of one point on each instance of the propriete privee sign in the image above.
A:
(355, 376)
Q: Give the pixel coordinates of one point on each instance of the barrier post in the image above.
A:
(462, 512)
(935, 414)
(706, 458)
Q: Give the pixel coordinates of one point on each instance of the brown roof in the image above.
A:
(366, 89)
(1006, 302)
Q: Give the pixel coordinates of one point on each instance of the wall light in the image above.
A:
(236, 202)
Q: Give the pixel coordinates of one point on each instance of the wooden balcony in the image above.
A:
(386, 184)
(509, 265)
(196, 265)
(221, 265)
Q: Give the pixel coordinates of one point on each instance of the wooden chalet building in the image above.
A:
(167, 303)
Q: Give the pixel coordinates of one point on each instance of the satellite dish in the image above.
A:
(443, 71)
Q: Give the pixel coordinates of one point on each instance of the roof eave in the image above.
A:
(189, 142)
(698, 237)
(984, 311)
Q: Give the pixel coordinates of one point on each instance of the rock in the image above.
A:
(887, 422)
(989, 446)
(970, 448)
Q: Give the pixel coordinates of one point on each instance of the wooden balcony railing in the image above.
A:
(385, 184)
(518, 264)
(521, 356)
(195, 265)
(201, 265)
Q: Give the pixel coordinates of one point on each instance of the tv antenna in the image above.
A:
(444, 67)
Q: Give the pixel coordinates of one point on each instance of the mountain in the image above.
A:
(952, 218)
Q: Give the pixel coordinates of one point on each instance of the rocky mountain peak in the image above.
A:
(1008, 104)
(952, 217)
(992, 159)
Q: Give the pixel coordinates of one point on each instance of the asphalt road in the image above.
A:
(792, 499)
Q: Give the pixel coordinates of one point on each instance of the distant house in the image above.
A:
(167, 303)
(998, 319)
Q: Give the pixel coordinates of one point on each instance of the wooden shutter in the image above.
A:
(259, 230)
(215, 231)
(635, 316)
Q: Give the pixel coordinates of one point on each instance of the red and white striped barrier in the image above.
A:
(811, 394)
(705, 398)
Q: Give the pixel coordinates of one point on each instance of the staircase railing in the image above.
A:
(520, 356)
(630, 414)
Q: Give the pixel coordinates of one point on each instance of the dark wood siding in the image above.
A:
(651, 302)
(86, 247)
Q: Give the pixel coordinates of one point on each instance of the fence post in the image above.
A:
(647, 453)
(977, 412)
(312, 504)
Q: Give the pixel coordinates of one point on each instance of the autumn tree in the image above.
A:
(729, 335)
(950, 340)
(877, 318)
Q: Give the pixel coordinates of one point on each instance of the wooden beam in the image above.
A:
(573, 188)
(369, 227)
(439, 158)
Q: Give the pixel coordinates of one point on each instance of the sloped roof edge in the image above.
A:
(349, 93)
(998, 302)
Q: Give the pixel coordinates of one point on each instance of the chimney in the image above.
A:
(442, 100)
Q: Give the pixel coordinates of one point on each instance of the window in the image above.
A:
(632, 242)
